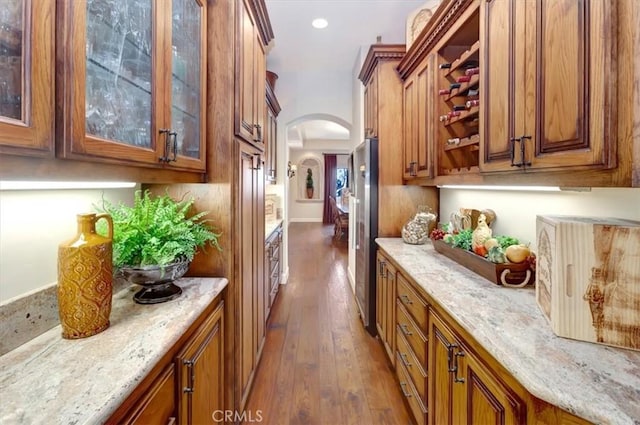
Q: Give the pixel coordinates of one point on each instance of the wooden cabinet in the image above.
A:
(158, 404)
(273, 268)
(384, 106)
(462, 388)
(254, 33)
(271, 135)
(411, 345)
(371, 107)
(457, 110)
(418, 125)
(188, 385)
(201, 372)
(26, 77)
(250, 273)
(550, 86)
(385, 304)
(124, 92)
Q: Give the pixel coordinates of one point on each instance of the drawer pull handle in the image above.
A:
(405, 329)
(405, 360)
(403, 385)
(405, 299)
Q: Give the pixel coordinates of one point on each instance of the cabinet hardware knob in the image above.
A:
(405, 360)
(258, 138)
(405, 299)
(405, 329)
(403, 385)
(173, 135)
(456, 379)
(165, 157)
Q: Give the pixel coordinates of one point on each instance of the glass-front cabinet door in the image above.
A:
(132, 74)
(26, 76)
(188, 79)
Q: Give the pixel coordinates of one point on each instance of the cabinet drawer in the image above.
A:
(412, 302)
(409, 391)
(414, 335)
(411, 365)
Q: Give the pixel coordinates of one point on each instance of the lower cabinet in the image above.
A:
(272, 268)
(188, 385)
(385, 305)
(443, 374)
(201, 373)
(463, 390)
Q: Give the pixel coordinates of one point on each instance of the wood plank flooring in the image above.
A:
(319, 365)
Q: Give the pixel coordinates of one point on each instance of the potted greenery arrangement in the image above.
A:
(309, 183)
(154, 242)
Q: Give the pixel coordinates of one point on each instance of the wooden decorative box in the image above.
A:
(507, 274)
(588, 280)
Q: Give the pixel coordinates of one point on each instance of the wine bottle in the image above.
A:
(472, 71)
(443, 92)
(444, 66)
(453, 141)
(473, 92)
(444, 118)
(471, 103)
(460, 107)
(454, 86)
(463, 79)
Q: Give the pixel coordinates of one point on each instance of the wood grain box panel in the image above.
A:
(588, 278)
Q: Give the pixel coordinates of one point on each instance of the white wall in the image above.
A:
(32, 225)
(516, 211)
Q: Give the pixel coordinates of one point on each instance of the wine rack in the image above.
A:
(458, 100)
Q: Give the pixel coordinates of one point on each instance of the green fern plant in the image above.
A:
(155, 230)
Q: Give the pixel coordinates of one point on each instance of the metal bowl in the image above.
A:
(157, 281)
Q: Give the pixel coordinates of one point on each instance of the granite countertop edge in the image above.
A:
(596, 382)
(83, 381)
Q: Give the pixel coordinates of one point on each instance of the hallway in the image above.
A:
(319, 366)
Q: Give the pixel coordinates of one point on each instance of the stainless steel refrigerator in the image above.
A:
(365, 173)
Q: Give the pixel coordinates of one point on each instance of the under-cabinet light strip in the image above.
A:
(509, 188)
(52, 185)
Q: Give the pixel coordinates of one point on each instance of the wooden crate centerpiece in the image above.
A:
(507, 274)
(588, 278)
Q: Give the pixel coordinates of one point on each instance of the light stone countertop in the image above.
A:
(270, 226)
(593, 381)
(57, 381)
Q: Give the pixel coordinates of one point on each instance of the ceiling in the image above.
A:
(300, 48)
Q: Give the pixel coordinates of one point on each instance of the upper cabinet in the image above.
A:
(371, 107)
(26, 77)
(131, 82)
(271, 135)
(549, 97)
(254, 33)
(418, 127)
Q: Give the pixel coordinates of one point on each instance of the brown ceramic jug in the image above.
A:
(85, 279)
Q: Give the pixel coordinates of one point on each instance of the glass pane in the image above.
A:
(11, 55)
(118, 79)
(186, 78)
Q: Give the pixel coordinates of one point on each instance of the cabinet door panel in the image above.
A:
(188, 80)
(26, 77)
(488, 401)
(575, 84)
(425, 120)
(118, 98)
(409, 128)
(502, 97)
(440, 391)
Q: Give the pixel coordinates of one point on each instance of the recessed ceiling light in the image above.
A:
(319, 23)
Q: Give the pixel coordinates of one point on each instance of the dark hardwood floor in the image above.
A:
(319, 365)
